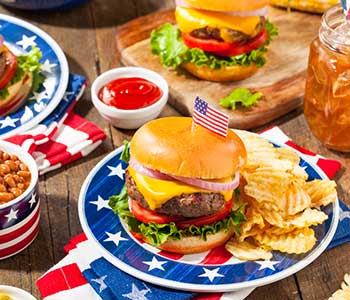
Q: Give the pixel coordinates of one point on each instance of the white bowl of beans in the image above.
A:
(19, 195)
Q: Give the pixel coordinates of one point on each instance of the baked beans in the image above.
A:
(15, 177)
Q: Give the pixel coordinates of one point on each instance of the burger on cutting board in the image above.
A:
(221, 40)
(180, 186)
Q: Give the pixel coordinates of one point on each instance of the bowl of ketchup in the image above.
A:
(129, 97)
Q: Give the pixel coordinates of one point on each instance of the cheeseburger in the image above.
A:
(180, 186)
(221, 40)
(19, 75)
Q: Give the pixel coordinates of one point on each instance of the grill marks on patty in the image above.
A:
(186, 205)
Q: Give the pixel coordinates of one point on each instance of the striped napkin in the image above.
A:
(63, 136)
(85, 274)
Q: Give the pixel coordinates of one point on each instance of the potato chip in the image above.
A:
(322, 192)
(247, 250)
(294, 200)
(273, 230)
(287, 154)
(254, 224)
(298, 241)
(307, 218)
(344, 292)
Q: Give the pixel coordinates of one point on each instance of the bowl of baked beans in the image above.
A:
(19, 196)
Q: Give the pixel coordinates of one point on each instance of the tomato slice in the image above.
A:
(10, 70)
(209, 45)
(146, 215)
(251, 45)
(201, 221)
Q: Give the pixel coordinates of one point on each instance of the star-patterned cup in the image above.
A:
(18, 209)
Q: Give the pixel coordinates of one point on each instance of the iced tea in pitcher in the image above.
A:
(327, 93)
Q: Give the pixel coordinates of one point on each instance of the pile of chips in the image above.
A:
(281, 205)
(344, 292)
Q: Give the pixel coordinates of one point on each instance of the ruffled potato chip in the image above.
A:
(295, 242)
(344, 292)
(322, 192)
(294, 200)
(247, 250)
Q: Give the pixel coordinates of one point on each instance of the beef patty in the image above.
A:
(186, 205)
(2, 63)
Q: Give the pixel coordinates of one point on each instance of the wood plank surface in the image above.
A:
(86, 34)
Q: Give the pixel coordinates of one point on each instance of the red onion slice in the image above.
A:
(209, 185)
(262, 12)
(205, 184)
(148, 172)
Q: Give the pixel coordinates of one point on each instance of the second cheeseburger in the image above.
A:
(180, 186)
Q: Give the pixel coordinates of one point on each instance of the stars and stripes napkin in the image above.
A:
(85, 274)
(63, 136)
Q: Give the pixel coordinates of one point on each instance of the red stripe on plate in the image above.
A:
(170, 255)
(217, 256)
(22, 230)
(212, 296)
(62, 279)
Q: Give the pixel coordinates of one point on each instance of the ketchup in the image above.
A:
(130, 93)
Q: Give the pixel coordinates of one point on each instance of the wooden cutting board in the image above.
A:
(281, 80)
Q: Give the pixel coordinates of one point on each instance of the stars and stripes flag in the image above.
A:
(209, 117)
(346, 6)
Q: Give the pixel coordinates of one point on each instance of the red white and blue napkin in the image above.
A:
(85, 274)
(63, 136)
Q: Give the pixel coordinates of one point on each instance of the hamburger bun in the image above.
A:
(227, 5)
(225, 73)
(18, 93)
(195, 152)
(195, 244)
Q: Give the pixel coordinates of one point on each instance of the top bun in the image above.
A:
(172, 146)
(227, 5)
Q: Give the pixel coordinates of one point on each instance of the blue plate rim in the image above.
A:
(314, 254)
(61, 89)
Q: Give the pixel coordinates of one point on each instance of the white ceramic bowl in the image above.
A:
(21, 207)
(16, 293)
(129, 119)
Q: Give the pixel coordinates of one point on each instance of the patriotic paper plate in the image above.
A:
(20, 36)
(212, 271)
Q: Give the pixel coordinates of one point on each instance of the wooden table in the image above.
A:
(86, 34)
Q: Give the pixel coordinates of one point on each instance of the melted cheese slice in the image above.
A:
(156, 192)
(190, 19)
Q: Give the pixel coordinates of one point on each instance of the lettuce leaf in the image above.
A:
(241, 96)
(29, 62)
(166, 42)
(125, 156)
(156, 234)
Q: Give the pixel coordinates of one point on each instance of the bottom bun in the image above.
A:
(195, 244)
(225, 73)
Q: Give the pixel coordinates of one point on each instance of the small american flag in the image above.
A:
(209, 117)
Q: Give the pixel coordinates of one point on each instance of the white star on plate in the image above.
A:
(100, 281)
(8, 122)
(115, 238)
(27, 41)
(12, 215)
(46, 66)
(117, 171)
(267, 264)
(155, 264)
(38, 107)
(39, 96)
(101, 203)
(211, 274)
(343, 214)
(32, 201)
(137, 294)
